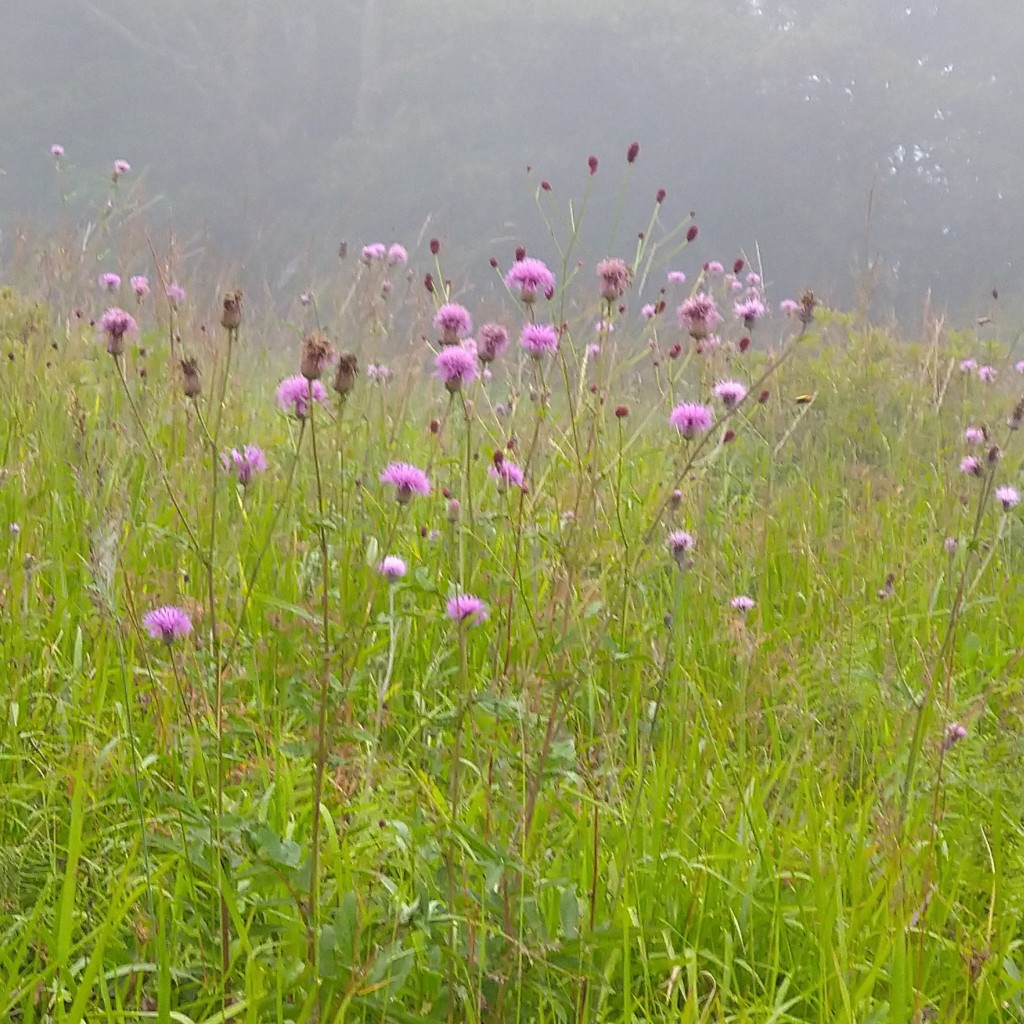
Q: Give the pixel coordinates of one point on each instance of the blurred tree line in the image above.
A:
(869, 149)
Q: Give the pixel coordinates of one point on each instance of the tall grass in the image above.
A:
(617, 797)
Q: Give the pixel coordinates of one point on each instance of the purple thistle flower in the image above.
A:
(974, 435)
(529, 276)
(168, 623)
(680, 544)
(407, 481)
(970, 466)
(455, 365)
(539, 340)
(452, 320)
(121, 167)
(968, 365)
(493, 340)
(730, 392)
(742, 603)
(507, 474)
(949, 544)
(954, 733)
(1020, 366)
(699, 314)
(615, 278)
(243, 464)
(374, 251)
(140, 285)
(378, 373)
(465, 608)
(1008, 496)
(691, 419)
(392, 568)
(397, 254)
(110, 281)
(56, 151)
(677, 277)
(987, 374)
(175, 293)
(648, 310)
(754, 280)
(749, 310)
(790, 307)
(714, 267)
(593, 350)
(294, 394)
(117, 323)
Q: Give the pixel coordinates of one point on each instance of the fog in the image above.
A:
(870, 150)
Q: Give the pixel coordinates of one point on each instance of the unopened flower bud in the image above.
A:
(231, 314)
(316, 354)
(347, 373)
(190, 378)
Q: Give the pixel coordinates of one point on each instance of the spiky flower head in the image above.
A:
(242, 465)
(680, 544)
(699, 315)
(167, 623)
(452, 320)
(506, 473)
(121, 167)
(175, 293)
(974, 435)
(968, 365)
(987, 374)
(140, 285)
(539, 340)
(730, 393)
(466, 609)
(117, 323)
(294, 395)
(317, 354)
(1009, 497)
(56, 151)
(110, 281)
(742, 603)
(407, 481)
(397, 254)
(954, 733)
(455, 365)
(615, 277)
(749, 310)
(691, 419)
(492, 342)
(374, 252)
(378, 373)
(392, 568)
(530, 276)
(970, 466)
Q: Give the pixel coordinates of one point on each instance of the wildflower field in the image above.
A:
(617, 643)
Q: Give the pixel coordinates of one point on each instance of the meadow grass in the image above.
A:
(616, 797)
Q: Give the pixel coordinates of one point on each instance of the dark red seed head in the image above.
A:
(520, 253)
(621, 412)
(592, 164)
(428, 282)
(728, 436)
(435, 246)
(691, 232)
(744, 343)
(633, 152)
(659, 196)
(494, 263)
(546, 185)
(763, 397)
(738, 265)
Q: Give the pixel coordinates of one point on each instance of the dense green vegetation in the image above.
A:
(617, 797)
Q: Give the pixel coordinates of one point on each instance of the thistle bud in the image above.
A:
(316, 354)
(346, 374)
(190, 378)
(231, 314)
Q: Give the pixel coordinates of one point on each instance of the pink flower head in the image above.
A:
(593, 350)
(56, 151)
(539, 340)
(467, 609)
(140, 285)
(493, 340)
(754, 280)
(730, 393)
(110, 281)
(175, 293)
(987, 374)
(117, 323)
(749, 310)
(699, 314)
(452, 320)
(507, 474)
(373, 252)
(1009, 497)
(397, 254)
(529, 276)
(742, 603)
(378, 373)
(691, 419)
(455, 366)
(974, 435)
(970, 466)
(954, 733)
(677, 277)
(949, 544)
(714, 267)
(790, 307)
(407, 481)
(168, 623)
(121, 167)
(680, 544)
(1020, 366)
(243, 464)
(392, 568)
(648, 310)
(295, 393)
(968, 365)
(615, 278)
